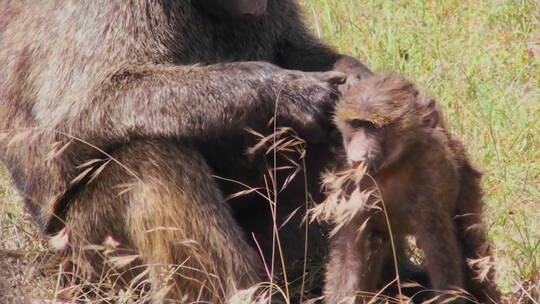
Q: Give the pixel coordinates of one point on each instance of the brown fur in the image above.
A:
(429, 189)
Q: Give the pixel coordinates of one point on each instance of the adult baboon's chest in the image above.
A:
(207, 40)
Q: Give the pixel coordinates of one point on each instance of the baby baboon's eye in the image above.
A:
(363, 124)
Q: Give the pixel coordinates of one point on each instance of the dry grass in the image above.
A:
(25, 266)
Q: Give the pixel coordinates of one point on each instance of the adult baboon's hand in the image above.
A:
(306, 100)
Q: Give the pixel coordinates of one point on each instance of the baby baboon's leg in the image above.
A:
(480, 275)
(173, 215)
(354, 267)
(480, 272)
(436, 236)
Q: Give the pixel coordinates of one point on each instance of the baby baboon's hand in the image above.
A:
(306, 100)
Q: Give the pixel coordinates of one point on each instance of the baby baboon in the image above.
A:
(428, 188)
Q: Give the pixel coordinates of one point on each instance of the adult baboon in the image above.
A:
(117, 114)
(428, 188)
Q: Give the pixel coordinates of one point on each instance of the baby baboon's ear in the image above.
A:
(352, 67)
(433, 114)
(350, 84)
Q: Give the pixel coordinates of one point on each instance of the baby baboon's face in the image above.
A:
(379, 117)
(363, 141)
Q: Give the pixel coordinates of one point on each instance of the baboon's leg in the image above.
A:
(354, 267)
(480, 274)
(174, 216)
(97, 216)
(436, 236)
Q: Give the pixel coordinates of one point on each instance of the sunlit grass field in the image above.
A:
(481, 61)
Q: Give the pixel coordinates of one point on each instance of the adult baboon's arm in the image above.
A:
(193, 101)
(300, 50)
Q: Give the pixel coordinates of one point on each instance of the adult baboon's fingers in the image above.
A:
(333, 77)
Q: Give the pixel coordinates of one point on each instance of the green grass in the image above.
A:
(480, 60)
